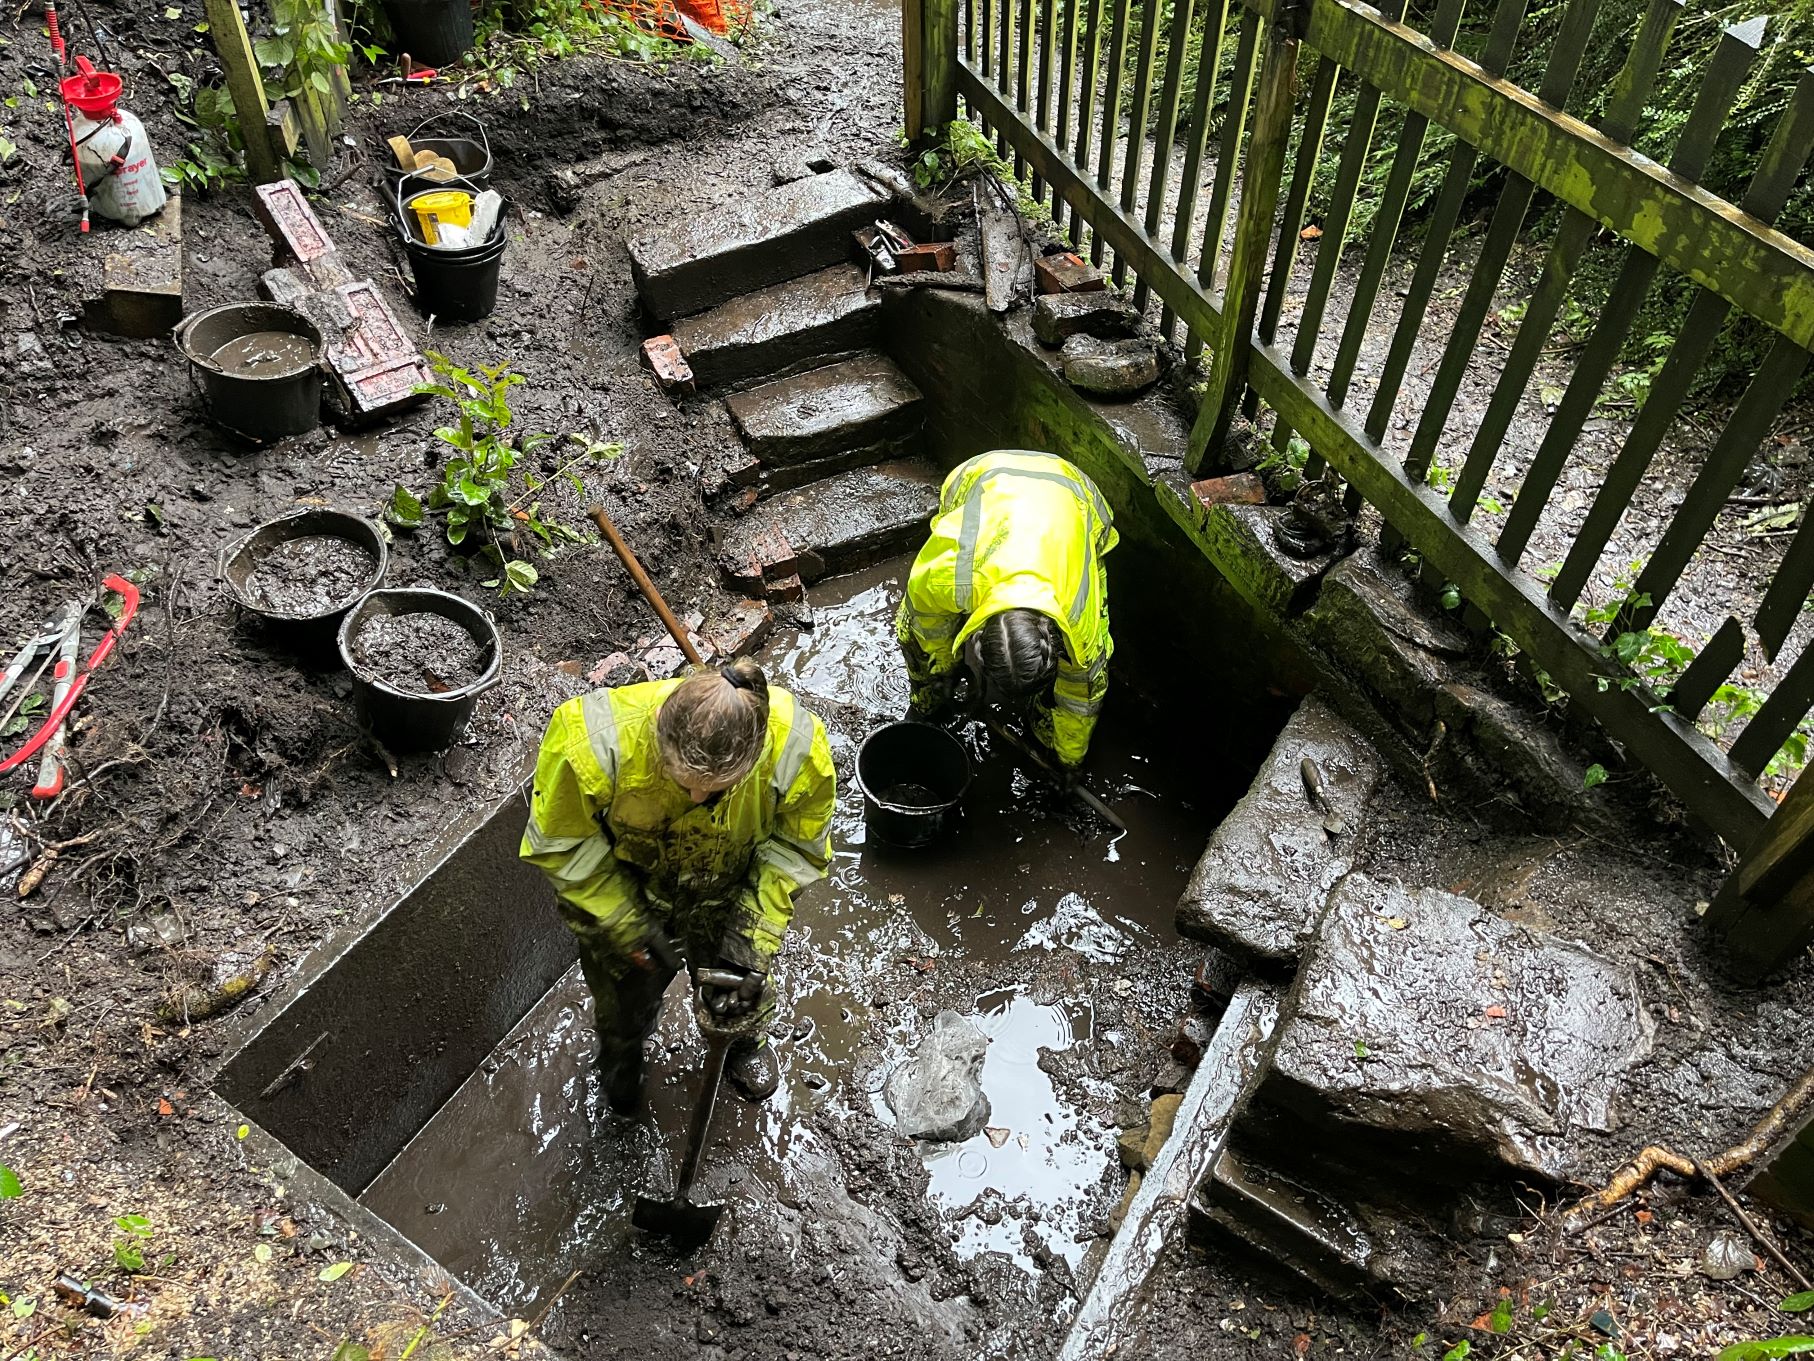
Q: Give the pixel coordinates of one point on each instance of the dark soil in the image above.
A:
(422, 654)
(309, 575)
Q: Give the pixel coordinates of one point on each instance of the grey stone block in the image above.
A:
(1110, 368)
(781, 327)
(824, 412)
(1059, 316)
(845, 522)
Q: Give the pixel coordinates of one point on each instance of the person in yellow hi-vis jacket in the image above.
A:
(681, 813)
(1011, 580)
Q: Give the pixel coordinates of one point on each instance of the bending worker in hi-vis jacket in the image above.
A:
(1011, 584)
(681, 813)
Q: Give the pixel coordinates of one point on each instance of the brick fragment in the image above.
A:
(1067, 273)
(662, 357)
(1237, 489)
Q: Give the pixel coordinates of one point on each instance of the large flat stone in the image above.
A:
(843, 523)
(139, 292)
(1262, 882)
(714, 255)
(778, 328)
(857, 404)
(1430, 1033)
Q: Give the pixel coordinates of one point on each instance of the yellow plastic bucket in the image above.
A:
(451, 206)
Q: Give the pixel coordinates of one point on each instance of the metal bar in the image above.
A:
(1111, 109)
(1165, 131)
(1708, 671)
(1209, 62)
(1771, 725)
(1137, 110)
(1228, 155)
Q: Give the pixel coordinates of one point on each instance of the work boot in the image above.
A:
(753, 1072)
(620, 1074)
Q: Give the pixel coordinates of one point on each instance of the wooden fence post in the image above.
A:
(1765, 909)
(1260, 178)
(929, 65)
(233, 44)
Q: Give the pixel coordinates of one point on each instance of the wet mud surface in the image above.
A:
(424, 654)
(264, 354)
(309, 575)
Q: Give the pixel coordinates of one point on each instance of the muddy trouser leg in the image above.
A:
(626, 1001)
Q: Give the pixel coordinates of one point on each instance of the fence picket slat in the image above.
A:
(1138, 108)
(1708, 671)
(1047, 13)
(1787, 594)
(1303, 174)
(1086, 101)
(1209, 62)
(1789, 149)
(1023, 61)
(1113, 71)
(1228, 154)
(1067, 73)
(985, 60)
(1771, 725)
(1737, 49)
(1165, 131)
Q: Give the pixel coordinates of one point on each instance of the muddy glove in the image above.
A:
(933, 698)
(656, 952)
(730, 991)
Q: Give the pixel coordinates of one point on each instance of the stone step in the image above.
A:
(714, 255)
(783, 328)
(1301, 1229)
(817, 415)
(840, 524)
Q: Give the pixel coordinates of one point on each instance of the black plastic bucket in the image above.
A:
(434, 32)
(447, 136)
(407, 721)
(913, 777)
(452, 285)
(310, 631)
(262, 403)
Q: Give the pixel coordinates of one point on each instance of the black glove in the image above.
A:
(730, 991)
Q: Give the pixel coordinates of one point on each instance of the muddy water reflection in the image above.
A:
(510, 1186)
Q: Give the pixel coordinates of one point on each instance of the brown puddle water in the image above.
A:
(522, 1177)
(264, 352)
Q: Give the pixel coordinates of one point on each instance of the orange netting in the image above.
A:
(664, 16)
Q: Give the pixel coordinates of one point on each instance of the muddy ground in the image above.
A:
(226, 813)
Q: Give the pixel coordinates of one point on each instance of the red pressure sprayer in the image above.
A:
(69, 124)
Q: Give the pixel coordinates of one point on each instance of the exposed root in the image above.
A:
(1656, 1158)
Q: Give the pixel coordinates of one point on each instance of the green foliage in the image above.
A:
(473, 497)
(1287, 467)
(11, 1188)
(30, 710)
(129, 1252)
(210, 158)
(304, 50)
(1798, 1303)
(1459, 1352)
(1768, 1349)
(1595, 776)
(519, 35)
(964, 147)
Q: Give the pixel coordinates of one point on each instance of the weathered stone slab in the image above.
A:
(1424, 1025)
(1007, 262)
(1110, 368)
(140, 289)
(843, 523)
(780, 327)
(1263, 881)
(1239, 540)
(855, 404)
(1302, 1230)
(716, 254)
(1059, 316)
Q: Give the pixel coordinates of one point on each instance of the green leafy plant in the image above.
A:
(1594, 777)
(129, 1252)
(210, 158)
(29, 709)
(474, 497)
(1768, 1349)
(305, 51)
(11, 1188)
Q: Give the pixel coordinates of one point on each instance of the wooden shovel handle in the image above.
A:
(643, 584)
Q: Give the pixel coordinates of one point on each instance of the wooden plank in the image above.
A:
(1173, 283)
(1732, 58)
(1782, 853)
(1022, 72)
(1708, 671)
(1209, 62)
(1114, 62)
(1165, 131)
(1303, 175)
(1138, 108)
(939, 44)
(984, 60)
(1756, 268)
(1787, 595)
(1716, 791)
(1771, 725)
(227, 31)
(1253, 242)
(1228, 156)
(913, 68)
(1088, 60)
(1067, 72)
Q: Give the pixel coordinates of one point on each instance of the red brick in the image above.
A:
(665, 361)
(1237, 489)
(930, 255)
(783, 589)
(743, 630)
(1067, 274)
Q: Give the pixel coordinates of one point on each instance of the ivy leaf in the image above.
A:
(1798, 1304)
(1768, 1349)
(520, 575)
(11, 1188)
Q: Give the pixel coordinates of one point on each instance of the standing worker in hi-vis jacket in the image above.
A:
(681, 813)
(1010, 587)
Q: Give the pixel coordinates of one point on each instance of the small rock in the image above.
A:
(1159, 1128)
(564, 190)
(1059, 316)
(1131, 1147)
(1727, 1256)
(937, 1094)
(998, 1134)
(1119, 1213)
(1110, 368)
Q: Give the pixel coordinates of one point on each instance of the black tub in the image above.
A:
(913, 777)
(311, 631)
(451, 285)
(434, 32)
(456, 135)
(407, 721)
(261, 402)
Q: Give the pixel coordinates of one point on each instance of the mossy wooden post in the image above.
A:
(1765, 910)
(234, 45)
(1253, 234)
(929, 59)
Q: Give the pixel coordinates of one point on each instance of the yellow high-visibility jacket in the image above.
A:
(627, 848)
(1017, 529)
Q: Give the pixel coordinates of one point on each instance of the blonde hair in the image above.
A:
(715, 723)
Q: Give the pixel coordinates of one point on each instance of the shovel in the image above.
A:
(688, 1224)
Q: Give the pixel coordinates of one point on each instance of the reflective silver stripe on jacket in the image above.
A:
(794, 750)
(601, 730)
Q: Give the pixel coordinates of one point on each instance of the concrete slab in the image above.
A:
(1265, 876)
(816, 415)
(1424, 1030)
(714, 255)
(779, 328)
(841, 524)
(139, 291)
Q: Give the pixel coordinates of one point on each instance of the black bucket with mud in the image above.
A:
(420, 660)
(913, 777)
(300, 573)
(257, 365)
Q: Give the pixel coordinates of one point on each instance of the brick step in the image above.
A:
(714, 255)
(845, 415)
(783, 328)
(842, 523)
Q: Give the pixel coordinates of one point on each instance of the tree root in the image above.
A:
(1649, 1161)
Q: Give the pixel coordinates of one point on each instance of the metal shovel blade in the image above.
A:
(687, 1224)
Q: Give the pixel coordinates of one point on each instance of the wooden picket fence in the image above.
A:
(1069, 87)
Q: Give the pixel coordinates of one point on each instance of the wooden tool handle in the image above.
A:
(643, 584)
